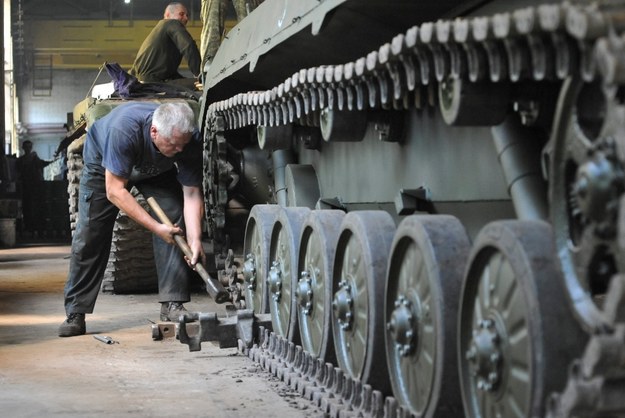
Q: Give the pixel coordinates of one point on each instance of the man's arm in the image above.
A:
(39, 162)
(118, 195)
(187, 47)
(193, 215)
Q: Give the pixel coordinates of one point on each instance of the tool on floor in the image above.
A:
(213, 287)
(105, 339)
(164, 330)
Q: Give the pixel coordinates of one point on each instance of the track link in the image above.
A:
(322, 383)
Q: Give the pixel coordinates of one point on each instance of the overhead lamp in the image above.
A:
(127, 1)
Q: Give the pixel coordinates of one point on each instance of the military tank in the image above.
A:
(429, 196)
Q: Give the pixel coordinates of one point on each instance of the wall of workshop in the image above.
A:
(42, 117)
(75, 50)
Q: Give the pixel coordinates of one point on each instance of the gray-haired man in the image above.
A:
(158, 150)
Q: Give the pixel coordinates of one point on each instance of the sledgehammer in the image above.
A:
(213, 287)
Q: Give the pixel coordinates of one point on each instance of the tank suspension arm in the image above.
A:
(519, 155)
(280, 159)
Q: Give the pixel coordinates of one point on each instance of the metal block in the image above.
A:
(410, 201)
(198, 327)
(163, 330)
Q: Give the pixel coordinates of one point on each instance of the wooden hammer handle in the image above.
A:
(213, 287)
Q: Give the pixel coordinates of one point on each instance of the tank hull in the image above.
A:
(487, 135)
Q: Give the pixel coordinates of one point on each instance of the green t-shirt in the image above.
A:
(162, 50)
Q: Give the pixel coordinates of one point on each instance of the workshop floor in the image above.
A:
(44, 375)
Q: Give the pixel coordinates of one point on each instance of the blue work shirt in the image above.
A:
(120, 142)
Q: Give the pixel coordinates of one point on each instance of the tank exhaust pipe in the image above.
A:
(280, 159)
(519, 151)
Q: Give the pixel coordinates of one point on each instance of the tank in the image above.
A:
(429, 196)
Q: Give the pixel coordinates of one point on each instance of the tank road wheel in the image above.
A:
(256, 253)
(426, 267)
(463, 103)
(283, 274)
(314, 289)
(515, 340)
(358, 303)
(586, 182)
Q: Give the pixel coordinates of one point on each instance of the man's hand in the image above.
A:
(166, 233)
(198, 253)
(193, 215)
(198, 83)
(118, 195)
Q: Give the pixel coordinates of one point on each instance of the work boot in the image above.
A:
(73, 325)
(171, 311)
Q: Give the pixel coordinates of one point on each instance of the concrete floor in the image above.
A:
(44, 375)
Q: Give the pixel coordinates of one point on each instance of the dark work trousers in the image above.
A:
(91, 243)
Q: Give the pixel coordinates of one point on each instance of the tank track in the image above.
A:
(130, 267)
(548, 42)
(322, 383)
(592, 391)
(74, 169)
(215, 182)
(217, 177)
(542, 43)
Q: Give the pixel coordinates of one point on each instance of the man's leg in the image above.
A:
(213, 14)
(240, 8)
(28, 216)
(91, 246)
(171, 268)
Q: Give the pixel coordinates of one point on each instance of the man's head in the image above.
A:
(27, 146)
(172, 127)
(176, 11)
